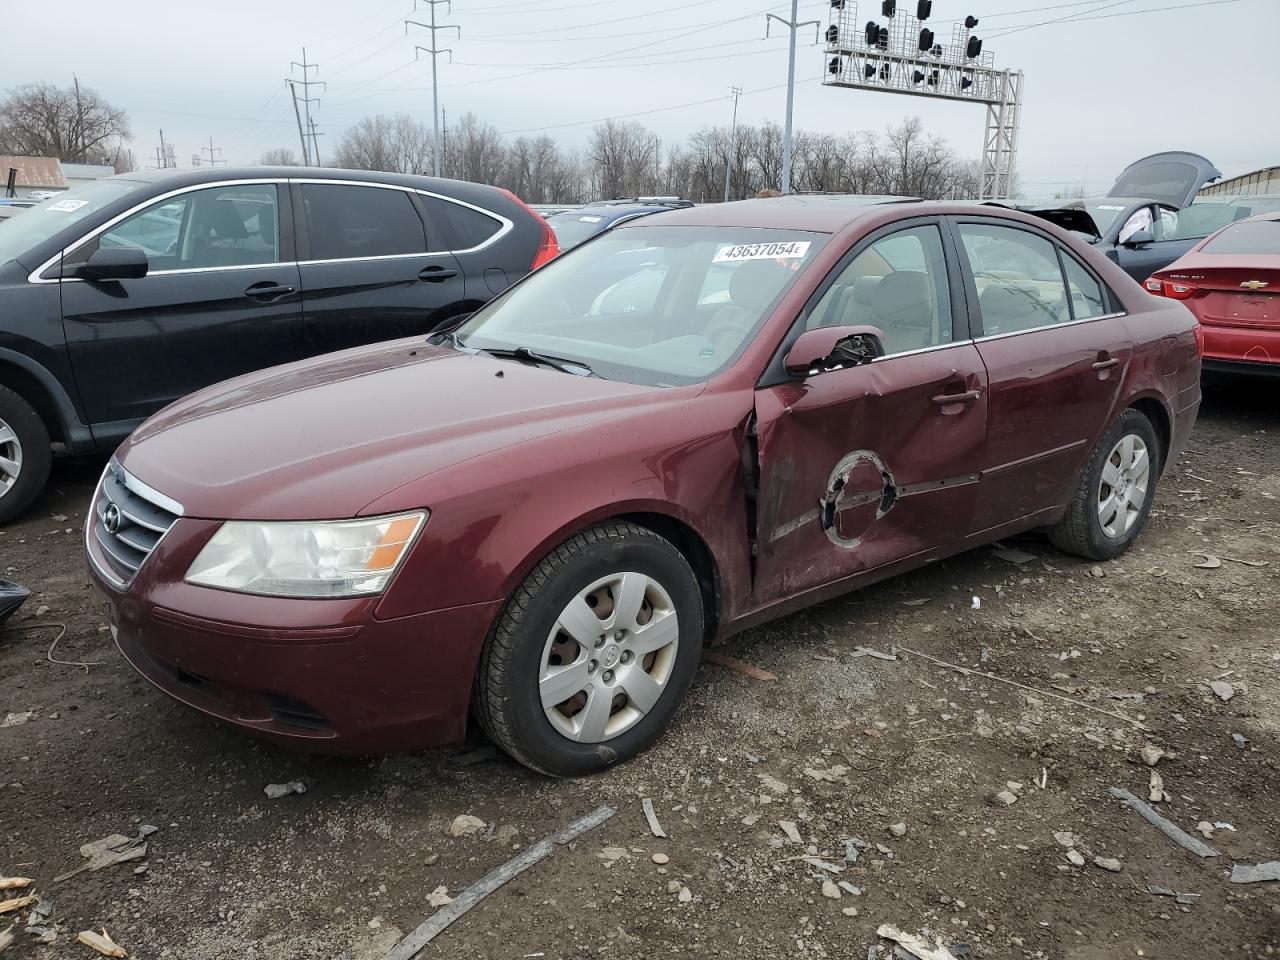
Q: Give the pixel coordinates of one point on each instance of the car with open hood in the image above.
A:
(1137, 222)
(539, 517)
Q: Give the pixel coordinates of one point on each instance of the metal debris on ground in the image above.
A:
(654, 826)
(821, 864)
(111, 850)
(275, 791)
(101, 942)
(1210, 562)
(737, 666)
(412, 945)
(970, 672)
(916, 946)
(1013, 555)
(1186, 899)
(1170, 830)
(1255, 872)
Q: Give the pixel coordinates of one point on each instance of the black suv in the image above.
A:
(122, 295)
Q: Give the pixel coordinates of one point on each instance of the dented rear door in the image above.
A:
(867, 465)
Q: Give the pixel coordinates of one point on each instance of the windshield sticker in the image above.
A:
(67, 206)
(590, 219)
(1107, 206)
(791, 250)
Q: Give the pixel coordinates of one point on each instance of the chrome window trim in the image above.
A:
(1050, 326)
(506, 226)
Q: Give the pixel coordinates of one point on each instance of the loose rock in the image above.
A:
(464, 825)
(275, 791)
(830, 890)
(660, 859)
(1107, 863)
(1222, 690)
(898, 829)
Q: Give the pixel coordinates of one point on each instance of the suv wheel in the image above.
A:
(25, 456)
(1113, 497)
(590, 659)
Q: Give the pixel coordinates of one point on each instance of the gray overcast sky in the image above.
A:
(1099, 92)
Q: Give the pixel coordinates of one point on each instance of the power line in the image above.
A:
(601, 23)
(1108, 16)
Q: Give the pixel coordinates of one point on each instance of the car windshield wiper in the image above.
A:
(576, 367)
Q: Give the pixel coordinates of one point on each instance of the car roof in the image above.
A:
(183, 178)
(822, 213)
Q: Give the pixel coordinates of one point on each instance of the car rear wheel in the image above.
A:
(25, 457)
(1113, 497)
(594, 652)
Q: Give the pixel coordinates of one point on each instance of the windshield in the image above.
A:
(655, 305)
(573, 228)
(1104, 214)
(20, 234)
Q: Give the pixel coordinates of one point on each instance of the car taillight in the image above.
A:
(1169, 288)
(548, 247)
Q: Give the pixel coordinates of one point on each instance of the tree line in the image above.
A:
(627, 159)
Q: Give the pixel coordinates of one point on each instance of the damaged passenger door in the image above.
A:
(865, 462)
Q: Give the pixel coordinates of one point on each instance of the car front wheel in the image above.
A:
(25, 457)
(594, 652)
(1113, 497)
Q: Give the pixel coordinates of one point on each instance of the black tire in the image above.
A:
(37, 457)
(1080, 531)
(506, 698)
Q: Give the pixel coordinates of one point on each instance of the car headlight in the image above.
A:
(331, 558)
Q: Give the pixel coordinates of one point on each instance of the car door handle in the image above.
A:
(947, 399)
(1106, 364)
(436, 274)
(268, 291)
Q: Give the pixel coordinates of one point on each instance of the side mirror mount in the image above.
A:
(829, 348)
(1139, 238)
(114, 263)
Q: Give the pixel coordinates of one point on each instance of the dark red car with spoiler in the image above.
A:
(1231, 282)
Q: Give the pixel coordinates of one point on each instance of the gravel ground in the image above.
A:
(842, 745)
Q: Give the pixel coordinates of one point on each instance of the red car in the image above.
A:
(689, 425)
(1231, 282)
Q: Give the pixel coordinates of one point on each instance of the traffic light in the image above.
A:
(973, 48)
(869, 71)
(923, 9)
(969, 22)
(926, 39)
(917, 76)
(837, 4)
(833, 65)
(889, 8)
(872, 32)
(833, 33)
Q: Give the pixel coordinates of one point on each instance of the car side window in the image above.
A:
(466, 228)
(348, 222)
(1166, 225)
(1139, 220)
(898, 284)
(231, 226)
(1087, 297)
(1019, 280)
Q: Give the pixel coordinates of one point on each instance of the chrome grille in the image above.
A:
(129, 518)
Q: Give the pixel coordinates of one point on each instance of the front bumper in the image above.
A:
(323, 675)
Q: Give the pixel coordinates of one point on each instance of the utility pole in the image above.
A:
(315, 144)
(733, 142)
(213, 152)
(307, 83)
(791, 83)
(435, 50)
(302, 137)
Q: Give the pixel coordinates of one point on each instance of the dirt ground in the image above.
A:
(842, 744)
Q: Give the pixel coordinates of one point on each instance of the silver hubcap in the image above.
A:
(1123, 489)
(608, 658)
(10, 458)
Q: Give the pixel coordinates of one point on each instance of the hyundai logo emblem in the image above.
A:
(111, 518)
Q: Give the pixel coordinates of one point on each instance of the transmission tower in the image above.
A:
(213, 159)
(434, 50)
(312, 152)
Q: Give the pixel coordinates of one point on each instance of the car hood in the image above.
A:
(324, 438)
(1173, 177)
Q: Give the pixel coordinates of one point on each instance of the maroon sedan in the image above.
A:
(1231, 282)
(692, 424)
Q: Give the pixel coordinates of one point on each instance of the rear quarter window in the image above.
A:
(1247, 238)
(464, 227)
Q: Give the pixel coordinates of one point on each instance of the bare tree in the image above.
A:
(280, 157)
(625, 157)
(398, 144)
(475, 151)
(71, 123)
